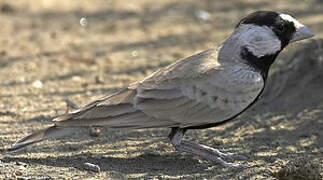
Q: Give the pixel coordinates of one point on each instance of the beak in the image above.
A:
(302, 32)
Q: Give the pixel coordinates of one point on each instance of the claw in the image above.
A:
(232, 157)
(219, 160)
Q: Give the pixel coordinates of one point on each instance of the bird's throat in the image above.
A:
(260, 64)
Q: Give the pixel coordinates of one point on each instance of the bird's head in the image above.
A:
(261, 36)
(285, 27)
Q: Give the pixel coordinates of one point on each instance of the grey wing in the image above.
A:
(212, 95)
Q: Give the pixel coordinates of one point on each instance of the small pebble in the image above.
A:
(76, 78)
(37, 84)
(95, 131)
(134, 53)
(18, 173)
(83, 22)
(92, 167)
(203, 15)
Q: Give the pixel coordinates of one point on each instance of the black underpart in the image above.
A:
(282, 28)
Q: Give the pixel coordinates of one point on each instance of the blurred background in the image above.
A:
(53, 50)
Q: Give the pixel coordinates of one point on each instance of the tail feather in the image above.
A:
(50, 132)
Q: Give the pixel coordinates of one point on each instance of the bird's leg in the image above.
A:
(203, 151)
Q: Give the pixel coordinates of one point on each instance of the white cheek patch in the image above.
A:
(259, 40)
(289, 18)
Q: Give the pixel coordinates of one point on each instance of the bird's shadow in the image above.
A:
(144, 163)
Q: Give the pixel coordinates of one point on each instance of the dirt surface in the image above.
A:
(46, 56)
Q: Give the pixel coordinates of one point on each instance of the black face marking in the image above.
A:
(282, 28)
(260, 64)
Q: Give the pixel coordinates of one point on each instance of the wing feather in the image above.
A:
(198, 91)
(160, 104)
(157, 93)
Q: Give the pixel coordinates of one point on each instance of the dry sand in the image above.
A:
(46, 56)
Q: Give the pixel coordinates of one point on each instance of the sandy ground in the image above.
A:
(46, 56)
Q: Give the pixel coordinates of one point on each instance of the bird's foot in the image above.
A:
(203, 151)
(212, 154)
(226, 159)
(230, 157)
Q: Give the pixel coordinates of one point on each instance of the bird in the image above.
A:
(204, 90)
